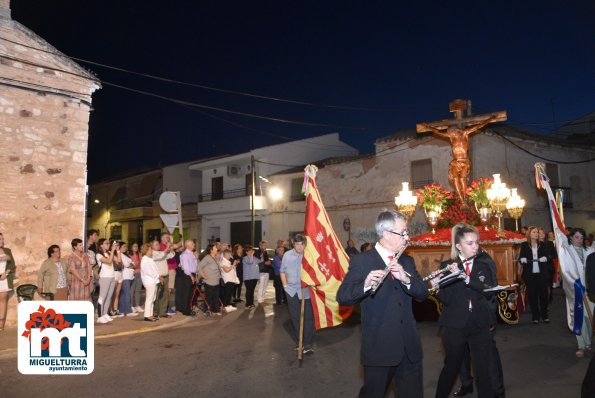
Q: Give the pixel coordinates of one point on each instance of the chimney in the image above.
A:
(5, 9)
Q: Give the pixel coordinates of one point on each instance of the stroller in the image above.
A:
(27, 292)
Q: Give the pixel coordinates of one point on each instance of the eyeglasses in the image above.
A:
(402, 234)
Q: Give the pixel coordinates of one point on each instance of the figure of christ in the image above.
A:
(460, 166)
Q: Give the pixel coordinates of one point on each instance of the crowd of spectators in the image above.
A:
(113, 276)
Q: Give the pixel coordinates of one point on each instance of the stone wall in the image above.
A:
(44, 115)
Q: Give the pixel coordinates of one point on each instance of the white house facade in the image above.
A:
(225, 205)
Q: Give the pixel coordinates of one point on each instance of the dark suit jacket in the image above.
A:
(456, 295)
(542, 251)
(389, 330)
(590, 276)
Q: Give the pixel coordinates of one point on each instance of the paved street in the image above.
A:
(249, 353)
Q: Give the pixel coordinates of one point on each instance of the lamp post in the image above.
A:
(252, 207)
(406, 201)
(498, 195)
(515, 207)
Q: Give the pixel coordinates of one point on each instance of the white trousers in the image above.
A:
(584, 340)
(262, 286)
(150, 292)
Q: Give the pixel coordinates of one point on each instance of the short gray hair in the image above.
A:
(386, 221)
(299, 238)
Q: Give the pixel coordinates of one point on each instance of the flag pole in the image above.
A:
(589, 312)
(301, 339)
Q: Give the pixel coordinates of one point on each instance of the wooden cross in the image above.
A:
(458, 131)
(462, 119)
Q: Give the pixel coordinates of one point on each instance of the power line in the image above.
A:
(217, 89)
(242, 93)
(246, 114)
(340, 148)
(192, 104)
(538, 156)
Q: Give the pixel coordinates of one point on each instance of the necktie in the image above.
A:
(390, 258)
(468, 272)
(467, 269)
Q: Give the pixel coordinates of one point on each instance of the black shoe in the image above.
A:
(150, 319)
(308, 351)
(464, 390)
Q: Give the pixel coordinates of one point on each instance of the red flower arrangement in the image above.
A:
(442, 237)
(477, 191)
(432, 196)
(455, 213)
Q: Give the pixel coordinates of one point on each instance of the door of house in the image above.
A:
(216, 188)
(240, 232)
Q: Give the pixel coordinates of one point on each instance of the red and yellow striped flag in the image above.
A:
(325, 262)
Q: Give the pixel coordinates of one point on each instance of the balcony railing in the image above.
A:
(234, 193)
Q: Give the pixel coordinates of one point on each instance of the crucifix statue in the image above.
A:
(458, 131)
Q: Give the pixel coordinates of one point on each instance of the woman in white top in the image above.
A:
(230, 278)
(125, 303)
(150, 276)
(105, 260)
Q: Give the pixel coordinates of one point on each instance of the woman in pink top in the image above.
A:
(137, 283)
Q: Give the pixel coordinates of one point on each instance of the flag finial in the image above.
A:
(309, 172)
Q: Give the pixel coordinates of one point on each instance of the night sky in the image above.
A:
(368, 68)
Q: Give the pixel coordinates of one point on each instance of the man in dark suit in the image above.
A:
(391, 347)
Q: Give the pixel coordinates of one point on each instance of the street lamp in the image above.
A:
(275, 193)
(406, 201)
(515, 207)
(498, 195)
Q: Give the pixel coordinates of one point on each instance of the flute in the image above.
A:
(451, 276)
(377, 284)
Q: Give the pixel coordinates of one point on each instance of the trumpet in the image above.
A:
(396, 257)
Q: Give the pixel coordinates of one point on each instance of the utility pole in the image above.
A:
(253, 194)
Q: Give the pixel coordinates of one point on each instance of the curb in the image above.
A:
(143, 329)
(8, 353)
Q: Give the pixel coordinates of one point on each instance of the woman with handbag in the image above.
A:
(210, 273)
